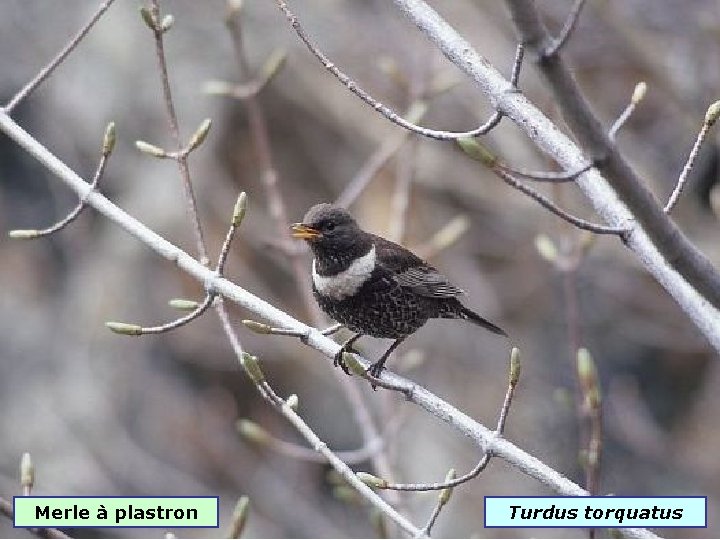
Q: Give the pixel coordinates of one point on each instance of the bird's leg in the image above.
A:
(376, 368)
(346, 347)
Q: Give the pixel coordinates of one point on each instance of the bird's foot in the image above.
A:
(374, 371)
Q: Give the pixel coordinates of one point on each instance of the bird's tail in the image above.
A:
(471, 316)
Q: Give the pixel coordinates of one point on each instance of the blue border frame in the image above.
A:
(588, 497)
(216, 497)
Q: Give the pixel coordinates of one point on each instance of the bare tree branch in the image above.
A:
(675, 263)
(416, 394)
(387, 112)
(710, 119)
(107, 148)
(45, 72)
(6, 509)
(567, 29)
(158, 29)
(656, 240)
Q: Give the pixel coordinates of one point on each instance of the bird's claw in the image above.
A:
(374, 371)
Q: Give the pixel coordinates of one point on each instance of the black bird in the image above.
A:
(373, 286)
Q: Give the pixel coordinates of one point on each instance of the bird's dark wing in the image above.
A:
(412, 272)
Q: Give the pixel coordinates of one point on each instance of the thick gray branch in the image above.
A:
(592, 136)
(676, 264)
(439, 408)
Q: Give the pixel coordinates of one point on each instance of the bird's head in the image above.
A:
(328, 228)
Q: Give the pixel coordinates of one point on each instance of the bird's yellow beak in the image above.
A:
(304, 232)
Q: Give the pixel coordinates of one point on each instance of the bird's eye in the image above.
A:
(330, 227)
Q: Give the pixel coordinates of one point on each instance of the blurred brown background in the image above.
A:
(110, 415)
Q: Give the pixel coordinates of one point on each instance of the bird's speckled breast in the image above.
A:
(379, 308)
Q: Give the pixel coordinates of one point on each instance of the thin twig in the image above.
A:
(238, 215)
(592, 410)
(107, 148)
(6, 509)
(351, 457)
(442, 500)
(182, 158)
(377, 160)
(545, 176)
(517, 65)
(315, 442)
(552, 207)
(394, 143)
(386, 111)
(570, 22)
(637, 96)
(45, 72)
(445, 237)
(269, 175)
(172, 325)
(710, 119)
(210, 295)
(616, 191)
(514, 377)
(405, 163)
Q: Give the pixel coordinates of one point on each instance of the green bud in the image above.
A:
(353, 364)
(218, 88)
(252, 431)
(592, 458)
(27, 472)
(639, 92)
(477, 151)
(148, 17)
(257, 327)
(451, 232)
(240, 209)
(546, 248)
(417, 110)
(586, 368)
(239, 517)
(109, 139)
(274, 64)
(587, 373)
(371, 480)
(445, 494)
(124, 328)
(515, 366)
(712, 113)
(200, 134)
(150, 149)
(182, 304)
(252, 367)
(234, 7)
(24, 234)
